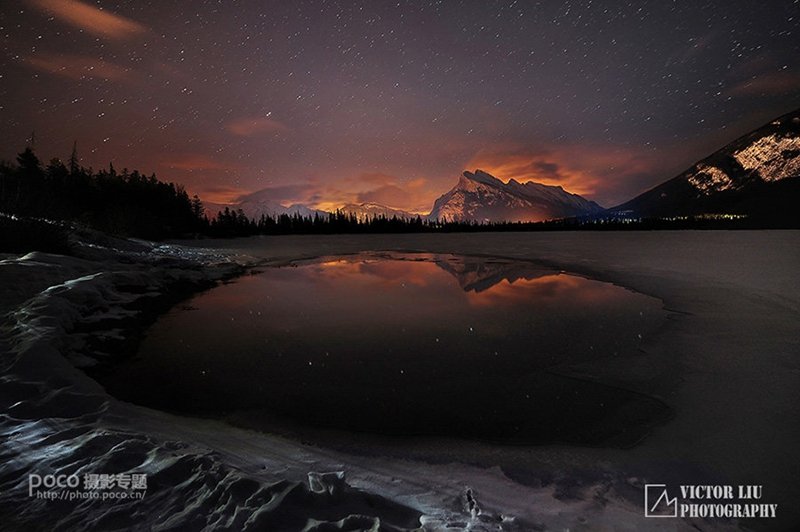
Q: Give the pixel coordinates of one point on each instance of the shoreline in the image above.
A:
(52, 413)
(80, 409)
(727, 364)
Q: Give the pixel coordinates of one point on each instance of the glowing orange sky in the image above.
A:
(327, 104)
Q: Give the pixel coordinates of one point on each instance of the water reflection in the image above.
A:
(406, 345)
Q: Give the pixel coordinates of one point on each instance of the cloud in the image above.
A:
(248, 127)
(332, 193)
(77, 66)
(389, 195)
(407, 195)
(776, 83)
(604, 173)
(375, 178)
(533, 164)
(220, 194)
(92, 19)
(196, 162)
(329, 199)
(289, 194)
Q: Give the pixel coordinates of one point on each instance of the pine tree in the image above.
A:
(197, 207)
(73, 159)
(29, 163)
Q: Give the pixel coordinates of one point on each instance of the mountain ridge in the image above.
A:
(757, 174)
(480, 196)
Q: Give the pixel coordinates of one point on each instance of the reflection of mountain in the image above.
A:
(475, 274)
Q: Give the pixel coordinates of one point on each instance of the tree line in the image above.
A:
(129, 203)
(234, 223)
(124, 203)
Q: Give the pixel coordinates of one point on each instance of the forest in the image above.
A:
(38, 202)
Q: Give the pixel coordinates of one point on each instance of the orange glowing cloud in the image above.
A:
(389, 195)
(220, 195)
(591, 171)
(524, 165)
(77, 66)
(409, 195)
(248, 127)
(359, 188)
(193, 162)
(373, 178)
(91, 19)
(325, 198)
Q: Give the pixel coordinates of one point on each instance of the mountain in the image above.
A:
(482, 197)
(258, 203)
(757, 175)
(370, 210)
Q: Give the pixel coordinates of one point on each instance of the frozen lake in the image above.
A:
(723, 359)
(404, 344)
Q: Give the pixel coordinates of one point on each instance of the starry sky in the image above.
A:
(326, 102)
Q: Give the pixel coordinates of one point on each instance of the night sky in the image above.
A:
(334, 102)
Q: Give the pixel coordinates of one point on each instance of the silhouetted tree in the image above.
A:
(29, 164)
(127, 204)
(73, 159)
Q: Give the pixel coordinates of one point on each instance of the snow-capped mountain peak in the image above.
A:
(756, 175)
(479, 176)
(479, 196)
(259, 203)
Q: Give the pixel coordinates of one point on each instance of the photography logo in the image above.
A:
(705, 501)
(657, 502)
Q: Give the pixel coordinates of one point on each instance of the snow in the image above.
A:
(773, 157)
(482, 197)
(737, 304)
(56, 420)
(261, 202)
(710, 179)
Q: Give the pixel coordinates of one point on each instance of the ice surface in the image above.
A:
(735, 339)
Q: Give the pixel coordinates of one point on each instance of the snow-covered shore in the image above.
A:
(57, 421)
(737, 301)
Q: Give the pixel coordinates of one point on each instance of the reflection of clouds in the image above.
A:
(547, 289)
(416, 273)
(390, 272)
(326, 299)
(369, 279)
